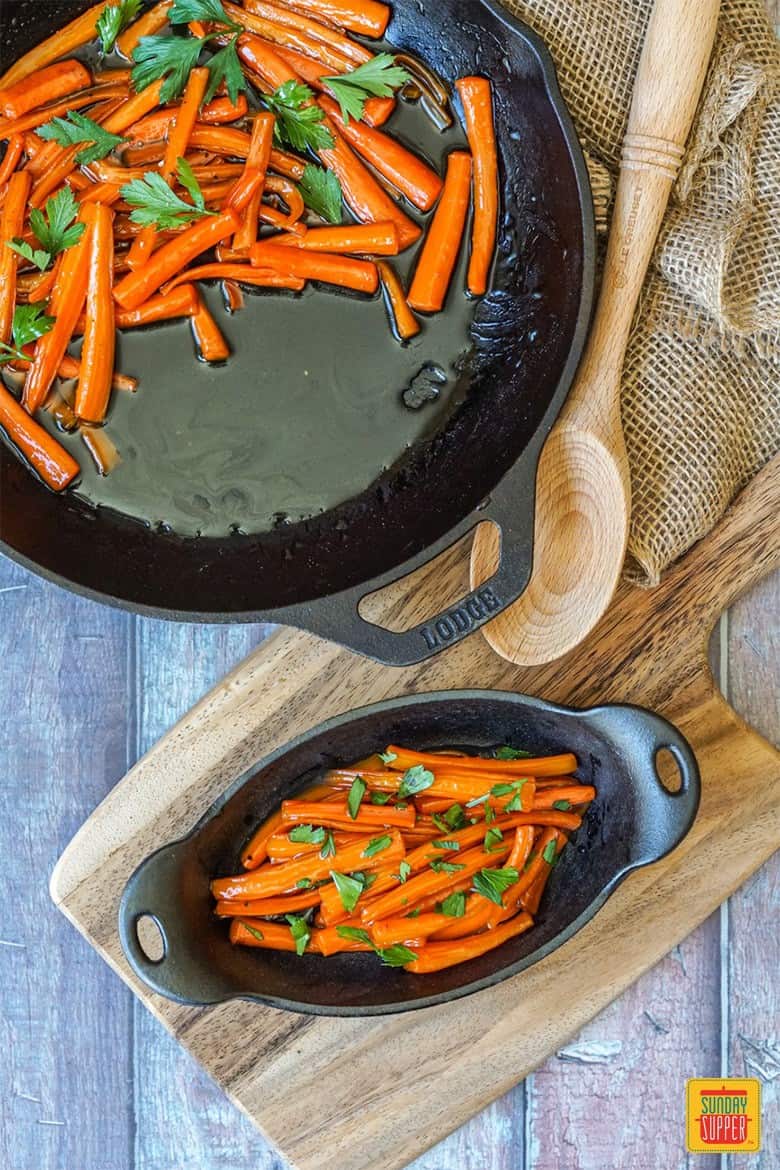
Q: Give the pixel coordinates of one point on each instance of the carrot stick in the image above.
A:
(371, 239)
(67, 301)
(289, 193)
(376, 111)
(328, 941)
(574, 794)
(479, 913)
(70, 367)
(363, 194)
(210, 343)
(47, 85)
(360, 275)
(243, 191)
(531, 766)
(281, 848)
(135, 108)
(269, 907)
(243, 273)
(262, 59)
(103, 450)
(36, 285)
(137, 287)
(533, 895)
(336, 53)
(13, 152)
(476, 94)
(11, 225)
(463, 788)
(53, 463)
(256, 932)
(51, 179)
(256, 851)
(163, 307)
(224, 140)
(408, 173)
(147, 25)
(232, 296)
(405, 324)
(107, 193)
(154, 127)
(366, 17)
(60, 44)
(287, 164)
(258, 157)
(429, 882)
(97, 355)
(295, 22)
(518, 858)
(442, 244)
(391, 931)
(435, 956)
(302, 812)
(278, 879)
(74, 102)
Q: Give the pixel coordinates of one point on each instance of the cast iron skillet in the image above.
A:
(633, 822)
(478, 464)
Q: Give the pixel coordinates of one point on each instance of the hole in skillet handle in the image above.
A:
(151, 938)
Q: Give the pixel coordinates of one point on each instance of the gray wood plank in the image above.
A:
(65, 1019)
(493, 1140)
(182, 1118)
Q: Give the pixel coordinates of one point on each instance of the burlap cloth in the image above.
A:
(701, 384)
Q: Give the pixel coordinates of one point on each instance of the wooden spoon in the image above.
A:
(583, 500)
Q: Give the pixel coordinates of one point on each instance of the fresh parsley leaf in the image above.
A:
(40, 259)
(171, 57)
(453, 846)
(225, 67)
(355, 798)
(414, 914)
(502, 789)
(349, 888)
(515, 804)
(184, 11)
(550, 852)
(454, 906)
(306, 835)
(298, 124)
(454, 817)
(493, 883)
(531, 859)
(397, 956)
(415, 780)
(321, 192)
(446, 867)
(258, 934)
(113, 20)
(29, 323)
(354, 934)
(510, 753)
(329, 848)
(404, 870)
(76, 128)
(381, 797)
(367, 879)
(493, 838)
(157, 203)
(53, 227)
(562, 805)
(379, 77)
(385, 757)
(299, 929)
(377, 845)
(304, 884)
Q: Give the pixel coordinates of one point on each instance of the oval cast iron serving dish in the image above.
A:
(478, 462)
(633, 822)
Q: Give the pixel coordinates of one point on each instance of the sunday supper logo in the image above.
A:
(723, 1116)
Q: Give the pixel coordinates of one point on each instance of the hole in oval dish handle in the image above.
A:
(668, 770)
(151, 939)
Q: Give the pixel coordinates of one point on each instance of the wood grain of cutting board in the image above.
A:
(373, 1094)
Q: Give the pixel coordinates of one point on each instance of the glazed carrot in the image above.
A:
(327, 941)
(363, 194)
(533, 895)
(67, 301)
(37, 285)
(54, 464)
(281, 848)
(210, 343)
(151, 22)
(288, 18)
(70, 367)
(137, 287)
(291, 196)
(531, 766)
(233, 296)
(337, 52)
(407, 173)
(366, 17)
(135, 108)
(277, 879)
(97, 354)
(262, 59)
(429, 882)
(11, 225)
(13, 152)
(360, 275)
(256, 932)
(302, 812)
(436, 956)
(64, 41)
(107, 193)
(256, 851)
(224, 140)
(183, 302)
(47, 85)
(269, 907)
(258, 157)
(439, 255)
(101, 76)
(391, 931)
(75, 102)
(518, 858)
(479, 913)
(573, 794)
(463, 788)
(101, 447)
(405, 324)
(370, 239)
(476, 94)
(244, 273)
(287, 164)
(376, 110)
(154, 127)
(243, 191)
(54, 177)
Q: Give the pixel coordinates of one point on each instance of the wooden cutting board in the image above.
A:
(373, 1094)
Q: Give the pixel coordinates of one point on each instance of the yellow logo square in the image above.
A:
(723, 1116)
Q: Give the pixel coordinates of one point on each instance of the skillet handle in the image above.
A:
(338, 617)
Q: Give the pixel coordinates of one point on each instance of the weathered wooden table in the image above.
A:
(89, 1081)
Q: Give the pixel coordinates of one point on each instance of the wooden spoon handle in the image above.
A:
(668, 85)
